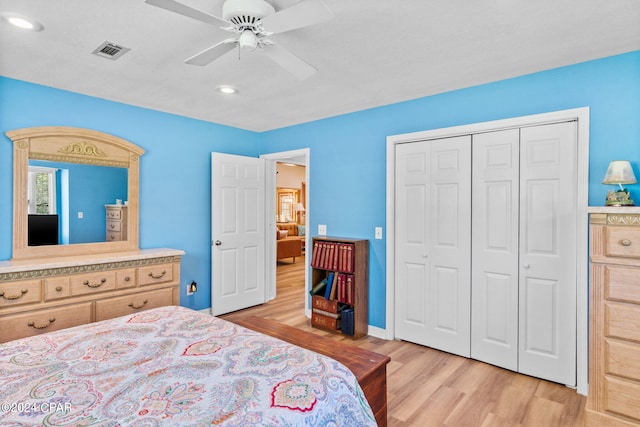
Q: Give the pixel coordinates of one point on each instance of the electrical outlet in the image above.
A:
(322, 229)
(80, 215)
(378, 232)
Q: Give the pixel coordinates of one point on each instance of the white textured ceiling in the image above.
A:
(372, 53)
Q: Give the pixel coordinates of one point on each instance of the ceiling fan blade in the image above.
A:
(303, 14)
(290, 62)
(212, 53)
(183, 9)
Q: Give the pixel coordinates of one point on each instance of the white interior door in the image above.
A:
(494, 256)
(433, 243)
(237, 232)
(547, 324)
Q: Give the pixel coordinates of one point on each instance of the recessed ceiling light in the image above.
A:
(227, 89)
(22, 21)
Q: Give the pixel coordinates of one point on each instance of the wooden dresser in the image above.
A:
(43, 295)
(614, 349)
(116, 222)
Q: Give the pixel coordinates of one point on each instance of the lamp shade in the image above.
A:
(619, 172)
(299, 207)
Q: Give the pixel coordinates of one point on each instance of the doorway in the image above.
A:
(300, 158)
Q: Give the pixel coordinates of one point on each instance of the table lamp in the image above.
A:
(619, 172)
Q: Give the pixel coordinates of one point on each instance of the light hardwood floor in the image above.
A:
(426, 387)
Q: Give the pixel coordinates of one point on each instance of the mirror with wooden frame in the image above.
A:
(69, 178)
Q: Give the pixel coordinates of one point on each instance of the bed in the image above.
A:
(173, 366)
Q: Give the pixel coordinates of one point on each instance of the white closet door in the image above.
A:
(433, 201)
(411, 242)
(450, 245)
(547, 324)
(494, 284)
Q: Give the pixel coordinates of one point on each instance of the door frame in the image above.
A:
(581, 115)
(301, 157)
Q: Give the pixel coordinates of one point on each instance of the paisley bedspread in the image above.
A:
(177, 367)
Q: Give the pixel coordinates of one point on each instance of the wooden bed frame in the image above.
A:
(369, 368)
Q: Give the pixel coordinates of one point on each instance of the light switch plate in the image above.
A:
(322, 229)
(378, 232)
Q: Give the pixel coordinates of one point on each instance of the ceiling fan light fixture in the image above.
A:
(248, 40)
(227, 90)
(21, 21)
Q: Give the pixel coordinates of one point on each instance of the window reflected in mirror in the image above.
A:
(76, 195)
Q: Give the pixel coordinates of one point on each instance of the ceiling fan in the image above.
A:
(254, 21)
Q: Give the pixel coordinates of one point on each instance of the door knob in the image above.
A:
(526, 266)
(425, 255)
(218, 243)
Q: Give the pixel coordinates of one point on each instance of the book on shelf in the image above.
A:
(328, 313)
(336, 256)
(346, 289)
(327, 292)
(319, 288)
(334, 287)
(348, 321)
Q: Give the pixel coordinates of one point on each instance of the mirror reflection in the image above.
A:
(66, 201)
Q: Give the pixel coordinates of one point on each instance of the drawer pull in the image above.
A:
(132, 305)
(14, 297)
(127, 279)
(153, 276)
(58, 288)
(94, 285)
(33, 324)
(625, 242)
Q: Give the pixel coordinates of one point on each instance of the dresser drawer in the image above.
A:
(622, 283)
(622, 321)
(621, 359)
(126, 278)
(113, 236)
(56, 288)
(41, 321)
(159, 273)
(113, 225)
(17, 293)
(89, 283)
(622, 397)
(120, 306)
(114, 214)
(622, 242)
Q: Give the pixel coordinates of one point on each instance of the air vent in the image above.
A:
(110, 50)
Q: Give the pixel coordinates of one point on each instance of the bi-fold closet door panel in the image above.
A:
(523, 257)
(494, 255)
(433, 232)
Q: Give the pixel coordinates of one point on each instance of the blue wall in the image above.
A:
(348, 163)
(348, 153)
(175, 173)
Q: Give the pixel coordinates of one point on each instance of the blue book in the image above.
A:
(327, 291)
